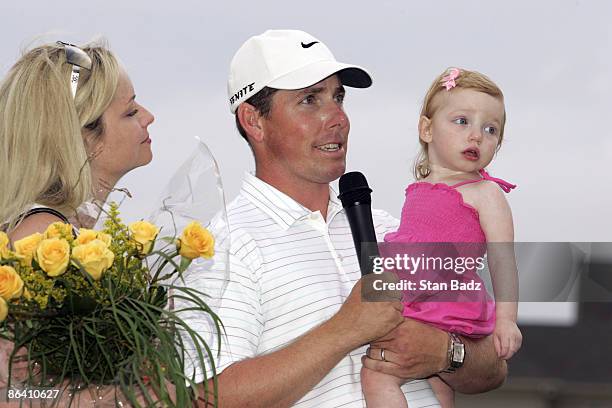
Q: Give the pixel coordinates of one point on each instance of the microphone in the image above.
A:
(356, 200)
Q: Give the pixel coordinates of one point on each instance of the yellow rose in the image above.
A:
(88, 235)
(53, 255)
(59, 230)
(3, 310)
(196, 241)
(11, 285)
(94, 257)
(26, 247)
(104, 238)
(4, 241)
(85, 236)
(144, 233)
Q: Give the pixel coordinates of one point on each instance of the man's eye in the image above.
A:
(340, 98)
(309, 99)
(491, 130)
(460, 121)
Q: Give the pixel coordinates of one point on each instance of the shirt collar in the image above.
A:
(334, 206)
(284, 210)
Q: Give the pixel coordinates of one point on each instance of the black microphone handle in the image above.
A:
(360, 219)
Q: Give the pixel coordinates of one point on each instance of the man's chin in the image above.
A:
(335, 174)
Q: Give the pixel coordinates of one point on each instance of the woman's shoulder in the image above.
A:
(37, 219)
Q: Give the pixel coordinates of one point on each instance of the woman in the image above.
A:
(61, 146)
(70, 128)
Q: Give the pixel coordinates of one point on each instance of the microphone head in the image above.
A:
(354, 189)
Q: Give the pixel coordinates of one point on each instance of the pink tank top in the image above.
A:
(437, 213)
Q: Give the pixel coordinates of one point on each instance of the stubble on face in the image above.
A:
(304, 138)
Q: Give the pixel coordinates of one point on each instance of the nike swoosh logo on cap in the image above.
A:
(309, 44)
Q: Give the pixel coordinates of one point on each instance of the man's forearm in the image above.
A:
(281, 378)
(483, 370)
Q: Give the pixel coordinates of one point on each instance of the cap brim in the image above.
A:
(350, 75)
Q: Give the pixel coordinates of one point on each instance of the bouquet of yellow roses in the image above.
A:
(93, 308)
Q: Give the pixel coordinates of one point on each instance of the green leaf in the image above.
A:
(185, 262)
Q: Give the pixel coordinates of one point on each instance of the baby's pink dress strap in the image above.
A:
(485, 176)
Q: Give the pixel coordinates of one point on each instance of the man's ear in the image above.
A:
(250, 120)
(425, 129)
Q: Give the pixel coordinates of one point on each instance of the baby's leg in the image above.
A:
(382, 390)
(443, 392)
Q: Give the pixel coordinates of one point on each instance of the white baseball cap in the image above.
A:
(286, 59)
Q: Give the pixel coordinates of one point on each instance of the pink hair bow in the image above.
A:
(449, 80)
(502, 183)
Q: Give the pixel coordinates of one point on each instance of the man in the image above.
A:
(296, 326)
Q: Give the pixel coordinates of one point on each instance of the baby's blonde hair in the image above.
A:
(465, 80)
(44, 131)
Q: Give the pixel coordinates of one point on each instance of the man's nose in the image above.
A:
(336, 116)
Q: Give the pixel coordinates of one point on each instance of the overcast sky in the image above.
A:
(552, 59)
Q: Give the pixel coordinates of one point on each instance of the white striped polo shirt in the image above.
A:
(290, 270)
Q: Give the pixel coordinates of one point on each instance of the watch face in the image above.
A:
(458, 355)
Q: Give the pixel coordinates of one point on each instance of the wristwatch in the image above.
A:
(456, 353)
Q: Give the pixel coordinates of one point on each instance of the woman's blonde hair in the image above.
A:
(465, 80)
(44, 131)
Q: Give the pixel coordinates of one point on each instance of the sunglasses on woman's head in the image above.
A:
(78, 59)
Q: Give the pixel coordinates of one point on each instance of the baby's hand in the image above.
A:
(507, 338)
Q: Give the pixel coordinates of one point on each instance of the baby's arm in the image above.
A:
(496, 222)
